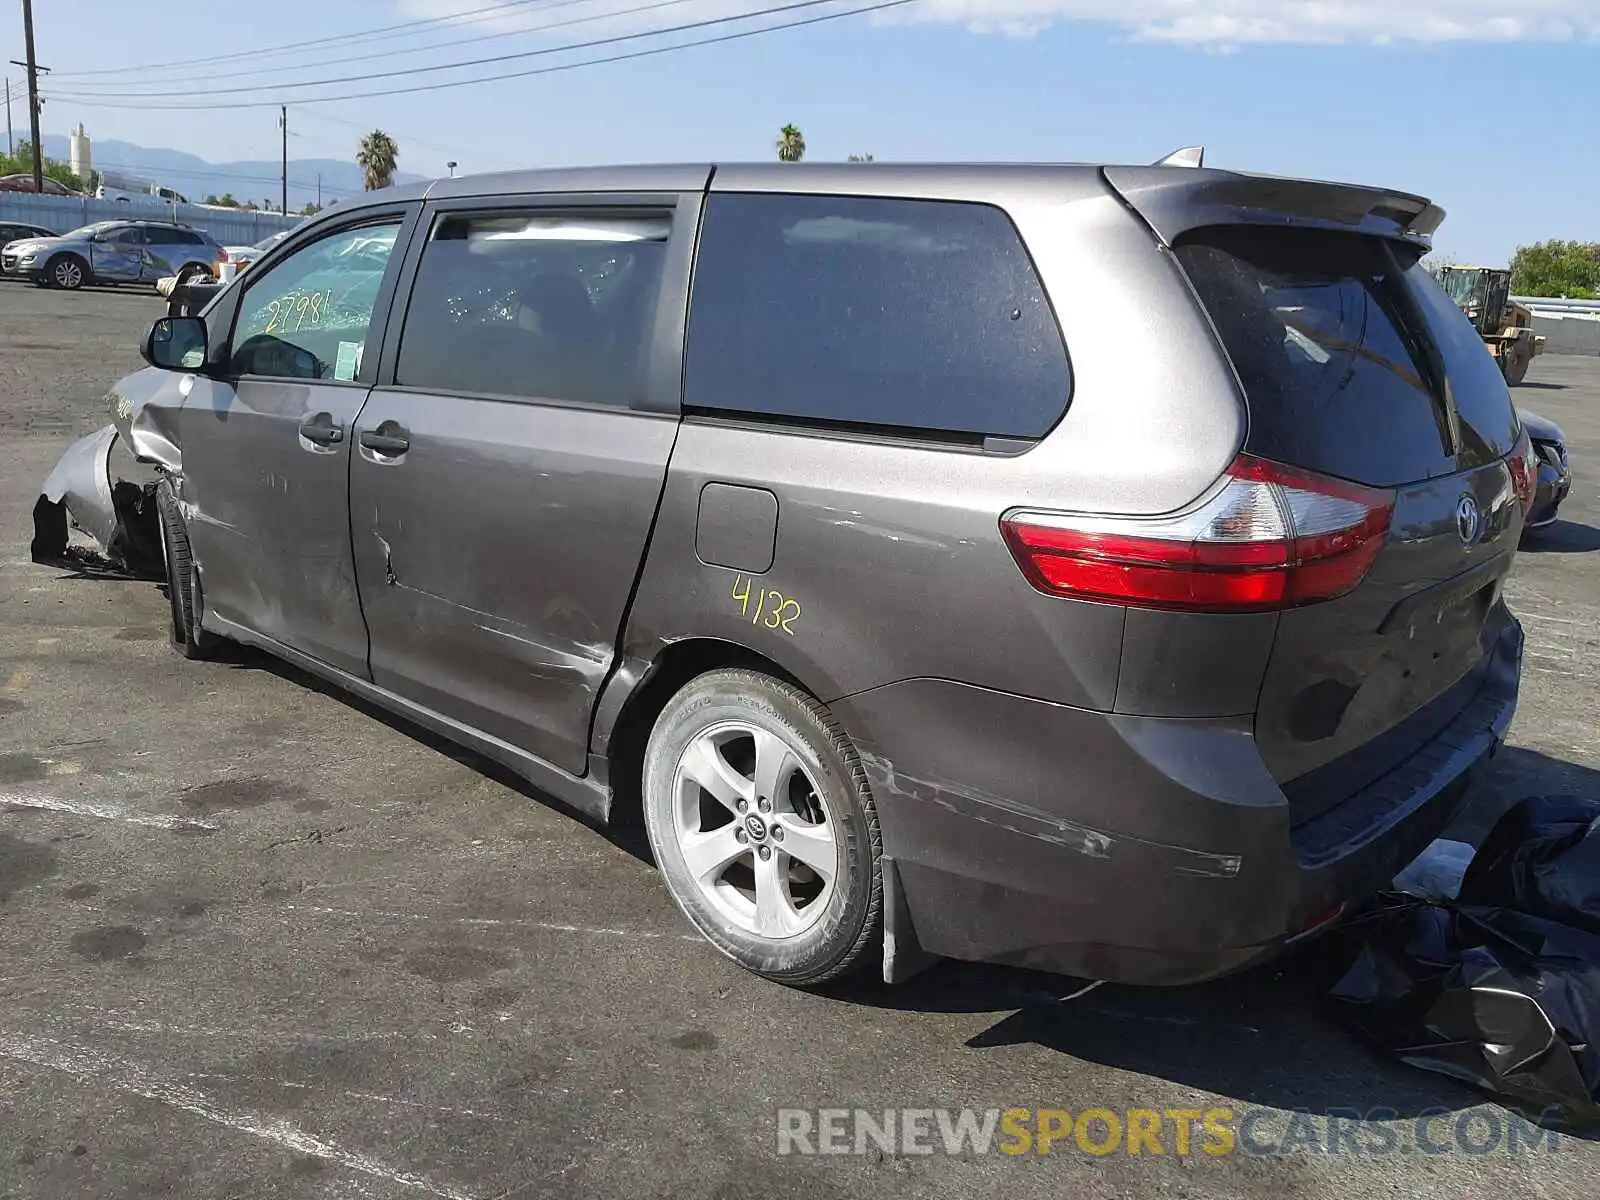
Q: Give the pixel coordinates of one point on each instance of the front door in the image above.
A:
(505, 483)
(119, 255)
(266, 447)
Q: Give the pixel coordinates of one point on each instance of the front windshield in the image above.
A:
(1460, 285)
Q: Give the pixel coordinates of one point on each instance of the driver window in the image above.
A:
(307, 318)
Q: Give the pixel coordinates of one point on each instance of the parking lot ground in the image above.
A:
(257, 940)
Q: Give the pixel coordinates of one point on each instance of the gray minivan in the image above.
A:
(1090, 568)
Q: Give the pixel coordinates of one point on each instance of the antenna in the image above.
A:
(1189, 156)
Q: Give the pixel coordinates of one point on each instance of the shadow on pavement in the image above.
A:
(1543, 387)
(627, 835)
(1258, 1037)
(1564, 537)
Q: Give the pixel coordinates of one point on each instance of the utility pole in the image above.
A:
(283, 119)
(319, 191)
(33, 95)
(11, 146)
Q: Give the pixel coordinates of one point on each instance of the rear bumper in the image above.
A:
(1135, 849)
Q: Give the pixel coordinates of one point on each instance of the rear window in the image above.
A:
(905, 314)
(1352, 360)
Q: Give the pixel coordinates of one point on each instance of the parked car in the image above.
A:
(112, 252)
(234, 259)
(23, 182)
(1097, 569)
(1555, 474)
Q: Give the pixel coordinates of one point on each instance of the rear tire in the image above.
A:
(192, 272)
(68, 272)
(776, 863)
(184, 595)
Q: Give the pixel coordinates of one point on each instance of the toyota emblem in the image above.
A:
(1468, 520)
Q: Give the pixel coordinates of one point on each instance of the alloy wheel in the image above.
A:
(755, 833)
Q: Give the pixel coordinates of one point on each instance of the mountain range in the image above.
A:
(198, 178)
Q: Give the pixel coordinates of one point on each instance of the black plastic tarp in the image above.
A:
(1500, 988)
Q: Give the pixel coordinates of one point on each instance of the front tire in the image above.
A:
(68, 272)
(761, 821)
(183, 581)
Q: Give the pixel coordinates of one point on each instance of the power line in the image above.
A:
(483, 37)
(490, 60)
(383, 32)
(399, 134)
(91, 101)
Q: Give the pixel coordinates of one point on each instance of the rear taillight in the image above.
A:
(1271, 537)
(1523, 463)
(222, 256)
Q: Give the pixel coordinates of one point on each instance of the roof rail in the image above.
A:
(1189, 156)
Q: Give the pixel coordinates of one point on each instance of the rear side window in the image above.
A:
(536, 305)
(916, 315)
(1352, 360)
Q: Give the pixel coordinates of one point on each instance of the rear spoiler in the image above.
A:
(1173, 202)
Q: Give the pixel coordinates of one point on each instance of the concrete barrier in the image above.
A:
(1568, 334)
(230, 226)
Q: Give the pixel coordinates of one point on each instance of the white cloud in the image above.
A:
(1208, 23)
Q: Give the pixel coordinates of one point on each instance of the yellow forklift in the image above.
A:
(1506, 327)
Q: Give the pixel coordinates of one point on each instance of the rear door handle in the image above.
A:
(386, 443)
(321, 430)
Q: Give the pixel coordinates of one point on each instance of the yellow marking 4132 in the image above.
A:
(773, 609)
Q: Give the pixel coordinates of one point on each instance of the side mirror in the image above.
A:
(176, 344)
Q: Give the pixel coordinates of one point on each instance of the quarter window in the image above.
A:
(536, 305)
(308, 317)
(918, 315)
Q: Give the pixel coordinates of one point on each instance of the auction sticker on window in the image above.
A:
(348, 361)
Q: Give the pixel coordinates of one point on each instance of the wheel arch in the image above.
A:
(635, 696)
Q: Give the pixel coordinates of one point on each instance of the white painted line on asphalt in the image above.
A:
(554, 926)
(354, 1095)
(104, 812)
(133, 1080)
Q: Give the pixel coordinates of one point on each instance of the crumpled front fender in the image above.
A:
(107, 494)
(153, 433)
(81, 484)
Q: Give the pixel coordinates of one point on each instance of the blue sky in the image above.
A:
(1458, 99)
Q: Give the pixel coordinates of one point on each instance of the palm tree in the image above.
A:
(378, 157)
(791, 144)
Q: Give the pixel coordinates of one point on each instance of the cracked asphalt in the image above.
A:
(258, 940)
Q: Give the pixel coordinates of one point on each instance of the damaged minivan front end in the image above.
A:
(104, 485)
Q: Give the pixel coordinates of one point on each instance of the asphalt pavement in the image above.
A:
(259, 940)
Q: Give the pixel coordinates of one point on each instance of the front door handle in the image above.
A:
(321, 430)
(386, 443)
